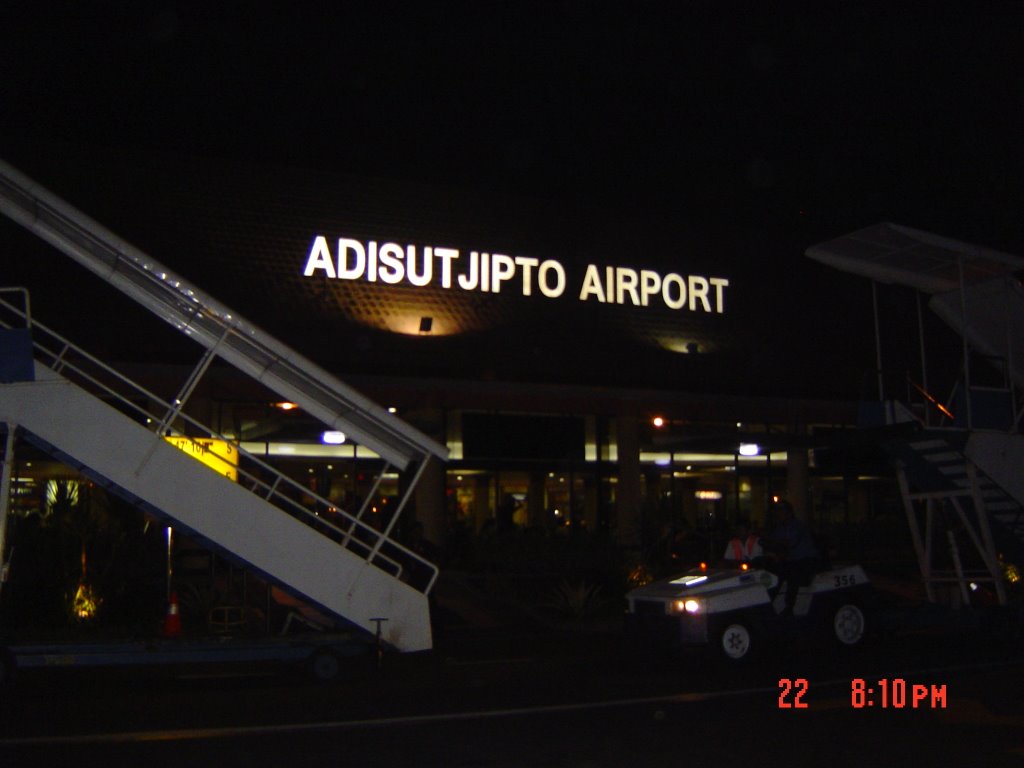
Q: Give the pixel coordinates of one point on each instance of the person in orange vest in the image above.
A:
(745, 545)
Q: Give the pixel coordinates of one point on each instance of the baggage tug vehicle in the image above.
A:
(735, 610)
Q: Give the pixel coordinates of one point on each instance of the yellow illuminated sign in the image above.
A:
(220, 455)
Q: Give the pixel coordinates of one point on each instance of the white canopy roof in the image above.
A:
(890, 253)
(987, 309)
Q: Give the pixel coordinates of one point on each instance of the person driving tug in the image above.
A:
(792, 554)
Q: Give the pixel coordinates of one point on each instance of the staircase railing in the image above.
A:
(167, 419)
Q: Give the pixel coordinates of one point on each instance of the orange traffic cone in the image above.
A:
(172, 621)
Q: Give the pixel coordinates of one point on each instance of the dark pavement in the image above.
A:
(504, 696)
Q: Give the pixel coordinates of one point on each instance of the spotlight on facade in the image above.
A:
(707, 495)
(749, 449)
(332, 437)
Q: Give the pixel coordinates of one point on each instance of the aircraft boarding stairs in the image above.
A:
(963, 483)
(97, 421)
(963, 477)
(90, 416)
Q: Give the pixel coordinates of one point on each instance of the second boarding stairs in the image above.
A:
(965, 485)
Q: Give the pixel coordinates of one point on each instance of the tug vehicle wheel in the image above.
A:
(736, 641)
(849, 625)
(324, 666)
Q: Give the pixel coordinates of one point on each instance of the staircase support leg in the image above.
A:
(989, 550)
(920, 548)
(954, 552)
(929, 517)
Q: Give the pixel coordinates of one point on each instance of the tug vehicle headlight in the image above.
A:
(686, 606)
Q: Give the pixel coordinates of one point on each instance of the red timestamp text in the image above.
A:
(896, 693)
(885, 693)
(792, 692)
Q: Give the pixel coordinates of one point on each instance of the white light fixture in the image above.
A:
(332, 437)
(749, 449)
(689, 581)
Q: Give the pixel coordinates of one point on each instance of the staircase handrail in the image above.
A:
(930, 400)
(184, 306)
(370, 540)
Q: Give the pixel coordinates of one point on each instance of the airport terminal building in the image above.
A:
(587, 370)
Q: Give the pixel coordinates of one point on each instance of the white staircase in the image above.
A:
(115, 434)
(89, 415)
(117, 451)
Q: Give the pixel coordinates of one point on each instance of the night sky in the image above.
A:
(770, 129)
(800, 121)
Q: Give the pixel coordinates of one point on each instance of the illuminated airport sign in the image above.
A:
(425, 266)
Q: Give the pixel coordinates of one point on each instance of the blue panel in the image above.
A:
(16, 356)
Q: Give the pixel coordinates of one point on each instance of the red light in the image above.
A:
(703, 566)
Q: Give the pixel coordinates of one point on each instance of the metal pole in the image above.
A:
(170, 560)
(5, 497)
(28, 303)
(965, 346)
(929, 542)
(878, 342)
(386, 533)
(178, 404)
(954, 552)
(358, 523)
(373, 491)
(1008, 370)
(736, 484)
(919, 541)
(924, 357)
